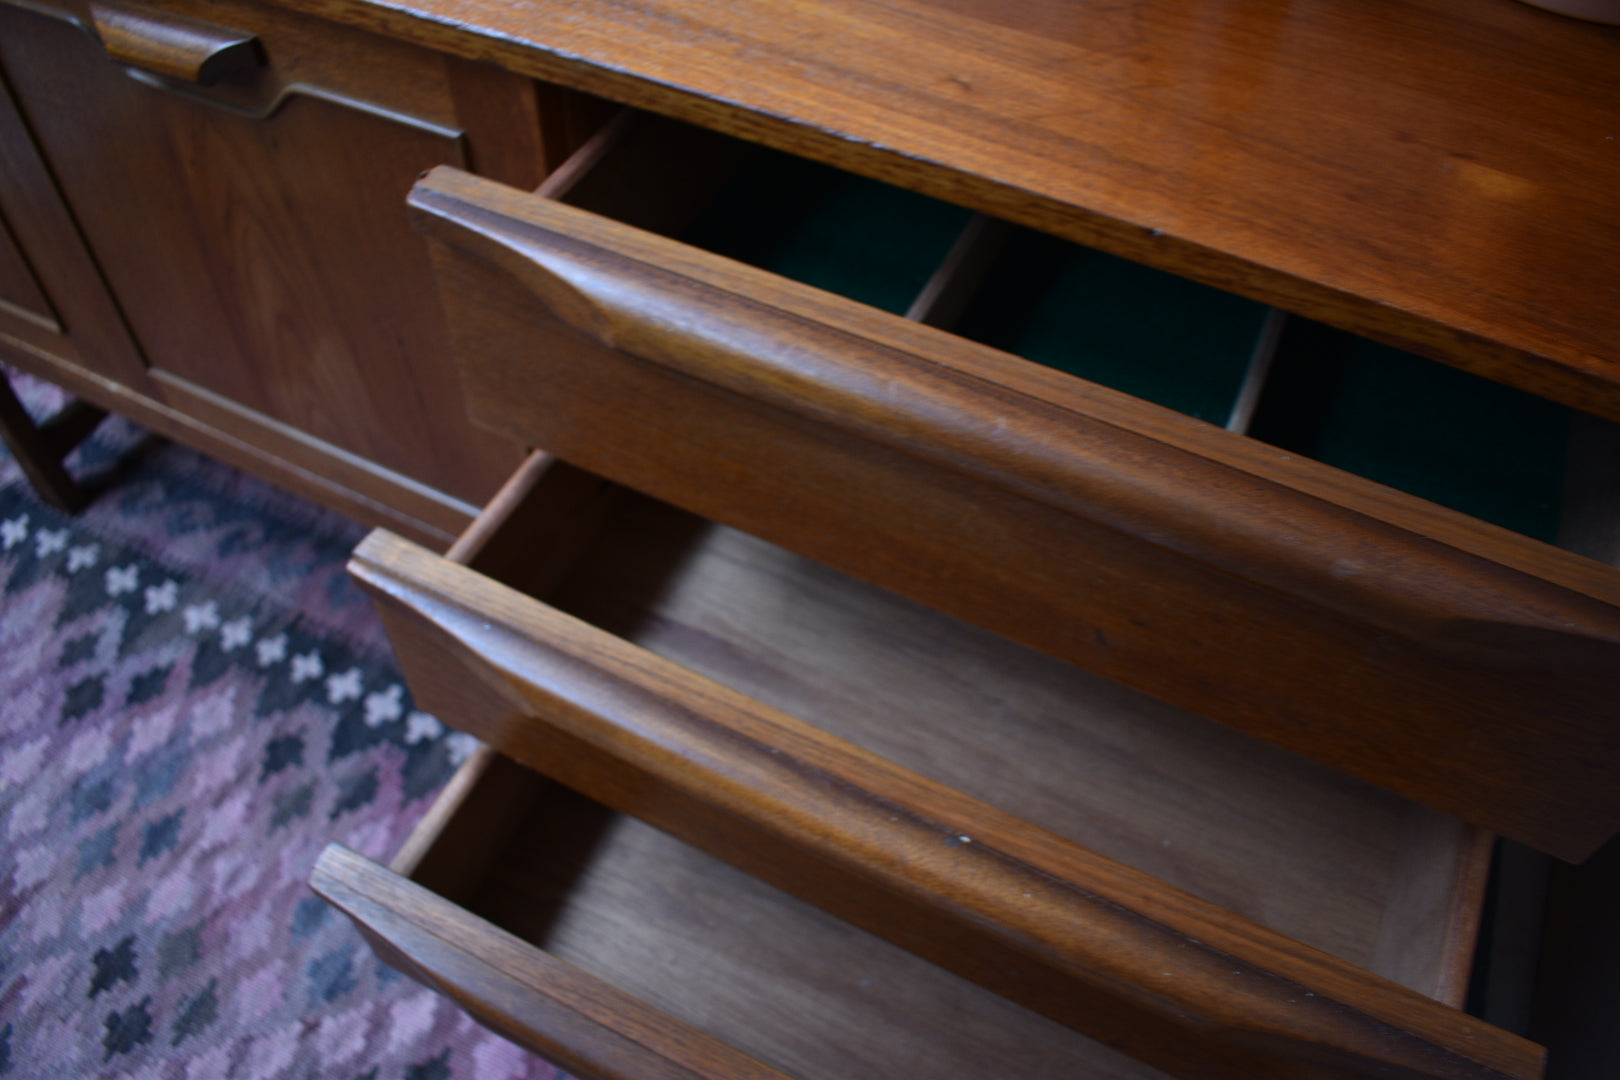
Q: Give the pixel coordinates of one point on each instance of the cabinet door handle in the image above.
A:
(174, 46)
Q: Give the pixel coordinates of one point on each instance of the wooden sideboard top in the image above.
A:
(1441, 174)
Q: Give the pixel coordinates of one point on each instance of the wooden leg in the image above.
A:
(40, 448)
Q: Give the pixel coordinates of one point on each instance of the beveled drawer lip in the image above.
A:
(711, 767)
(1430, 639)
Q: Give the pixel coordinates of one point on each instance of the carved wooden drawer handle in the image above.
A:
(172, 45)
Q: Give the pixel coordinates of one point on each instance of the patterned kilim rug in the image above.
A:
(193, 702)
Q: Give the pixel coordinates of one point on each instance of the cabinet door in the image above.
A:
(52, 301)
(253, 232)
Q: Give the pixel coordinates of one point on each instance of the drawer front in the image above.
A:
(622, 954)
(517, 990)
(1451, 661)
(1091, 943)
(556, 933)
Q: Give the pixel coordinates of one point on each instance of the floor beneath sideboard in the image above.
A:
(193, 702)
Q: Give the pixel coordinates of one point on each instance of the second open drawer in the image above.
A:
(1195, 898)
(1445, 658)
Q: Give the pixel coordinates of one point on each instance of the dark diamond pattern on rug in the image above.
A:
(197, 1012)
(194, 700)
(114, 967)
(129, 1029)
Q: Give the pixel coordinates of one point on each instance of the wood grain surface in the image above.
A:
(243, 449)
(704, 943)
(173, 46)
(1104, 949)
(58, 308)
(252, 235)
(578, 1020)
(744, 962)
(1455, 662)
(1305, 850)
(1435, 173)
(445, 513)
(20, 295)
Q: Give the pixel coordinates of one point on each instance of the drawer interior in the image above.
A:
(1446, 435)
(716, 949)
(863, 239)
(1111, 321)
(1416, 425)
(1328, 860)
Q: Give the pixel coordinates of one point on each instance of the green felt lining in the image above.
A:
(860, 238)
(1430, 430)
(1148, 333)
(1434, 431)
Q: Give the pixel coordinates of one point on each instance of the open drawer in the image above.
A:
(1191, 897)
(618, 952)
(1460, 664)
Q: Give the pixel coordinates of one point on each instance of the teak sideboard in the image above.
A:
(860, 698)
